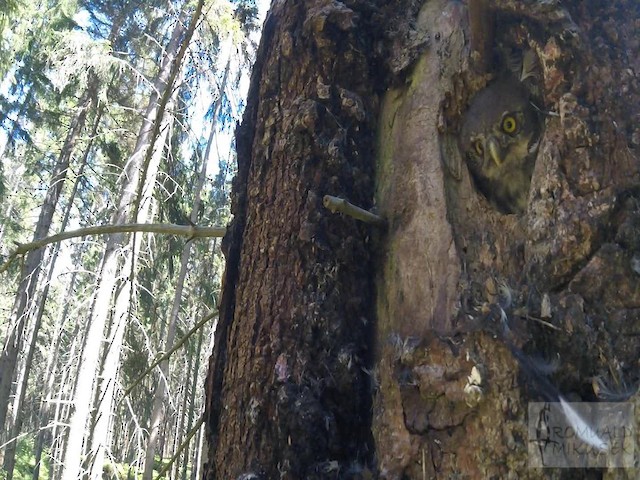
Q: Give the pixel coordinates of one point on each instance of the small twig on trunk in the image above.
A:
(335, 204)
(543, 322)
(31, 432)
(190, 231)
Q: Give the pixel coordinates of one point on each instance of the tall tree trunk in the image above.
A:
(157, 415)
(287, 392)
(62, 406)
(462, 289)
(201, 454)
(23, 379)
(31, 266)
(124, 304)
(133, 177)
(183, 394)
(49, 378)
(195, 375)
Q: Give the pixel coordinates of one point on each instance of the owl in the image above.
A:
(499, 139)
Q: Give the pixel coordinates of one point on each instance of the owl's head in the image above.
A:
(499, 136)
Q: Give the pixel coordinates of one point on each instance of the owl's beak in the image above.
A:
(494, 150)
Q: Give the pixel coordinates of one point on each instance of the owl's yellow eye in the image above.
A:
(509, 124)
(478, 147)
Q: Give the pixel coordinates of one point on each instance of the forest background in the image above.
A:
(113, 113)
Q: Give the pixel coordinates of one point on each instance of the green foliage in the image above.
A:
(26, 462)
(126, 471)
(76, 57)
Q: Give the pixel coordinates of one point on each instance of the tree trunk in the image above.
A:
(157, 415)
(23, 379)
(124, 304)
(195, 376)
(31, 266)
(183, 394)
(135, 173)
(62, 405)
(287, 392)
(50, 376)
(201, 454)
(465, 294)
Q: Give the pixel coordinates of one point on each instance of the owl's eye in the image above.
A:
(478, 147)
(509, 124)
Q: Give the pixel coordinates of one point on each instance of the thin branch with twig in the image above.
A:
(190, 231)
(166, 355)
(182, 446)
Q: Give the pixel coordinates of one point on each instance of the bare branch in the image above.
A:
(190, 231)
(24, 434)
(166, 355)
(182, 446)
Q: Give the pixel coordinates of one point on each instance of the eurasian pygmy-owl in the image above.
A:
(499, 138)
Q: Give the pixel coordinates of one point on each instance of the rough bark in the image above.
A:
(569, 266)
(288, 396)
(451, 260)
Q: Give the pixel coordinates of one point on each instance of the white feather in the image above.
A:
(582, 428)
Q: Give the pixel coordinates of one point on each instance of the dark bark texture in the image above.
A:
(300, 385)
(288, 391)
